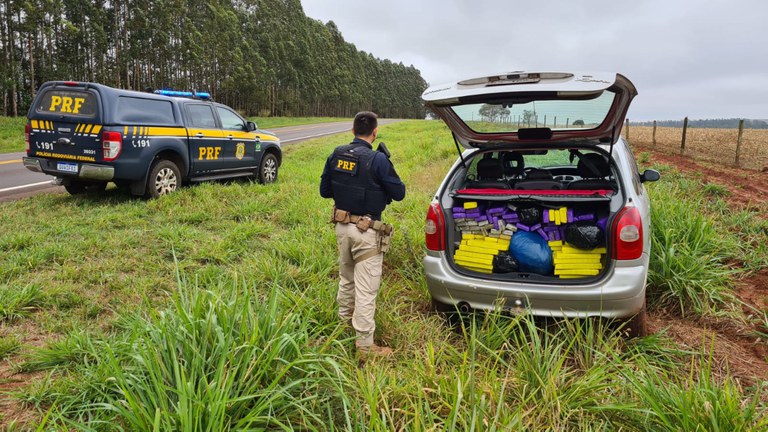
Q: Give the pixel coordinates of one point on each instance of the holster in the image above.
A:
(384, 238)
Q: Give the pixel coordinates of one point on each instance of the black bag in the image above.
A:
(529, 216)
(584, 235)
(504, 263)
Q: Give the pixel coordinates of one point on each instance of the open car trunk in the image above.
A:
(539, 215)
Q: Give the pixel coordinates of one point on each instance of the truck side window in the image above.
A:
(201, 116)
(230, 120)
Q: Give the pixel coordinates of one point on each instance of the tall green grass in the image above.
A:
(214, 309)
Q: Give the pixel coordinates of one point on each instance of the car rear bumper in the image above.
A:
(86, 171)
(620, 294)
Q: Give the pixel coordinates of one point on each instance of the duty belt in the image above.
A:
(374, 225)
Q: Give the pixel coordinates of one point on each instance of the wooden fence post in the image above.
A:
(627, 132)
(685, 131)
(738, 141)
(654, 133)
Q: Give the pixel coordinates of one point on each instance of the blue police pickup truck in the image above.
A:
(88, 134)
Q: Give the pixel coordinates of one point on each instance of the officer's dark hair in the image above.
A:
(364, 124)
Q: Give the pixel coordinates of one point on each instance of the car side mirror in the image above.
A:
(251, 126)
(649, 176)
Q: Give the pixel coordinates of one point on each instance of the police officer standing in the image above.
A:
(361, 182)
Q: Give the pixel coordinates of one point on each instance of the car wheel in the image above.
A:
(76, 187)
(164, 178)
(637, 326)
(268, 169)
(451, 315)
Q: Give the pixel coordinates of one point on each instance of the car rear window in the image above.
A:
(531, 112)
(68, 102)
(147, 111)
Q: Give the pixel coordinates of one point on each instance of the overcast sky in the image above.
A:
(702, 59)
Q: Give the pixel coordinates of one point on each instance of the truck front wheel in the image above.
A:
(268, 169)
(164, 178)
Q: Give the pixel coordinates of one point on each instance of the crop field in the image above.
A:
(715, 145)
(214, 309)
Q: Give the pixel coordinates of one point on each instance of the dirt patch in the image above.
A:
(748, 189)
(737, 349)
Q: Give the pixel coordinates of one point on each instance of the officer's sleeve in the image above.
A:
(388, 178)
(326, 191)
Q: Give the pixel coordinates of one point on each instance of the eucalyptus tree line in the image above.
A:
(264, 57)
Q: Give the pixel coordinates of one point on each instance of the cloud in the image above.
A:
(700, 59)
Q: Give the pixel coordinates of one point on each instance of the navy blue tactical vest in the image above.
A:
(354, 187)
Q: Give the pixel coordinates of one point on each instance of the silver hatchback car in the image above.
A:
(545, 210)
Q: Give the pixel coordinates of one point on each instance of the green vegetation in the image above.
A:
(12, 134)
(264, 57)
(214, 309)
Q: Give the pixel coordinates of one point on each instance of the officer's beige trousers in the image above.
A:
(359, 283)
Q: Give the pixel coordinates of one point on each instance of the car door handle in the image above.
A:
(199, 135)
(230, 136)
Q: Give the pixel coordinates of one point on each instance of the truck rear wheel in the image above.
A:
(77, 187)
(164, 178)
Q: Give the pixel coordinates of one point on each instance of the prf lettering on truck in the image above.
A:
(66, 104)
(208, 153)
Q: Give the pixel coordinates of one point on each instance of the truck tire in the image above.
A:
(164, 178)
(77, 187)
(268, 169)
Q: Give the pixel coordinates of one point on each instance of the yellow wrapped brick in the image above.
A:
(470, 205)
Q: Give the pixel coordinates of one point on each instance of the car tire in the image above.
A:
(637, 326)
(164, 178)
(451, 315)
(76, 187)
(268, 169)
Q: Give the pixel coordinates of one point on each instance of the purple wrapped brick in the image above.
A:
(536, 227)
(570, 215)
(473, 214)
(459, 215)
(522, 227)
(546, 216)
(481, 218)
(585, 217)
(458, 209)
(602, 223)
(542, 234)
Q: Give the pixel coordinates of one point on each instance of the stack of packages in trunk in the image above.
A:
(485, 232)
(576, 240)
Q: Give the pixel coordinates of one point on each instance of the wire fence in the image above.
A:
(743, 148)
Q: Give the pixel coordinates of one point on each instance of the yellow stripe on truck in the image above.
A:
(166, 131)
(96, 129)
(33, 124)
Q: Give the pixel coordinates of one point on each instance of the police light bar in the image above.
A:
(176, 93)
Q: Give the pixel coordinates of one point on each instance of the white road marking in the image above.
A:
(26, 186)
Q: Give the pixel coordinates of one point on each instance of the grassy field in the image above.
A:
(12, 129)
(214, 309)
(12, 134)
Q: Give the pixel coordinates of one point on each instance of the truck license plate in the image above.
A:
(67, 166)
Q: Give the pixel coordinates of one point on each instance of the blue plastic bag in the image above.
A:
(532, 253)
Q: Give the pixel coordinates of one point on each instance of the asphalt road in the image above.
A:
(18, 182)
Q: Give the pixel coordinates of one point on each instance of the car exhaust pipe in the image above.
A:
(464, 307)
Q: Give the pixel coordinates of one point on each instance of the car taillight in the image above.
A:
(435, 228)
(112, 143)
(628, 234)
(27, 131)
